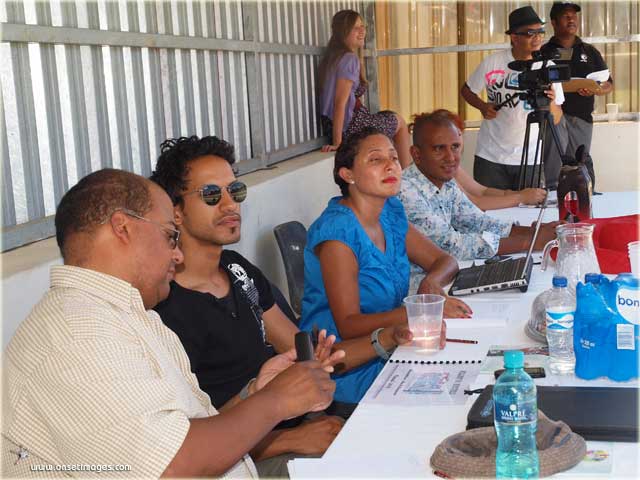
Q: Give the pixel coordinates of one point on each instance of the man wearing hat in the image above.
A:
(585, 59)
(501, 137)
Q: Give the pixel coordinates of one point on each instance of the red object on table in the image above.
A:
(610, 238)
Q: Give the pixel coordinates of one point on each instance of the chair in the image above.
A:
(292, 239)
(282, 302)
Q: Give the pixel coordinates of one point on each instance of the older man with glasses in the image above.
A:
(95, 383)
(502, 132)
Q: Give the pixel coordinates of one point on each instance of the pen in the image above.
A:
(462, 340)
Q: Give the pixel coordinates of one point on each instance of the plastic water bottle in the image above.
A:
(561, 308)
(516, 420)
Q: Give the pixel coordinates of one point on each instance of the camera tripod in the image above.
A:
(542, 116)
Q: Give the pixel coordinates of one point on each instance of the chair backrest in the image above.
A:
(282, 302)
(292, 239)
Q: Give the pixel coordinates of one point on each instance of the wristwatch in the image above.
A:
(382, 353)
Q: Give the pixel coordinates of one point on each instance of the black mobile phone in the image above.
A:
(534, 372)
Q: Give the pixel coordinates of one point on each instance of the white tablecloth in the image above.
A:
(397, 441)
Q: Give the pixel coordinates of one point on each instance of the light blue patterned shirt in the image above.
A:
(449, 219)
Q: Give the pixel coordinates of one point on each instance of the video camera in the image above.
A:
(533, 83)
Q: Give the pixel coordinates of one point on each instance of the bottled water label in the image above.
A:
(624, 337)
(628, 303)
(560, 320)
(511, 413)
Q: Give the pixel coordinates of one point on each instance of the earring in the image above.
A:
(352, 182)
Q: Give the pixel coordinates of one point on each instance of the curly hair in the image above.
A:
(172, 166)
(346, 155)
(90, 202)
(440, 117)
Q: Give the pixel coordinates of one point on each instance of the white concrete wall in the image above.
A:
(296, 190)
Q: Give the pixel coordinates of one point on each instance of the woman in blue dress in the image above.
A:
(357, 257)
(342, 82)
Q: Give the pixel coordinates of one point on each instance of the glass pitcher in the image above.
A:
(576, 252)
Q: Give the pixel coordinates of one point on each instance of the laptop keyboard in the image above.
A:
(491, 274)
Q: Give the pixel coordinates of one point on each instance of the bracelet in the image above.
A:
(382, 353)
(244, 393)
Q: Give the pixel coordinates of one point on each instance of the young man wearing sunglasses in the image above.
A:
(501, 136)
(222, 306)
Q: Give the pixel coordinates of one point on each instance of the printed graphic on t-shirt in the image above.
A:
(251, 292)
(499, 90)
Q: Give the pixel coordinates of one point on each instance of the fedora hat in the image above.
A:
(522, 16)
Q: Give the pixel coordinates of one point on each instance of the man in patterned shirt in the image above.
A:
(436, 205)
(95, 385)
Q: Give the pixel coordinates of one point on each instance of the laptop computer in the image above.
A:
(504, 275)
(596, 413)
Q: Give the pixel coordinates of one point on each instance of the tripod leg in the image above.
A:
(524, 162)
(542, 130)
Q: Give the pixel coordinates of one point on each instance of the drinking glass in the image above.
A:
(424, 313)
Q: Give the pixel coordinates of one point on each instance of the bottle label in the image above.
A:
(560, 320)
(512, 413)
(628, 303)
(624, 337)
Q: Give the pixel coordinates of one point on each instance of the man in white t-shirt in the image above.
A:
(501, 137)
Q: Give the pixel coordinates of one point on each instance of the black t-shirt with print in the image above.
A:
(224, 338)
(585, 59)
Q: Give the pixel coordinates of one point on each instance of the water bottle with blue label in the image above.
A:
(516, 420)
(560, 310)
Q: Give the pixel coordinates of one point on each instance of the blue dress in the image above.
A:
(383, 279)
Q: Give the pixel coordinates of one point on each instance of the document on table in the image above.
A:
(411, 384)
(396, 465)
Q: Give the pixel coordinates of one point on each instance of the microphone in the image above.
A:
(304, 346)
(519, 65)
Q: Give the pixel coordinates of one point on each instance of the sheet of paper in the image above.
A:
(455, 352)
(599, 76)
(418, 385)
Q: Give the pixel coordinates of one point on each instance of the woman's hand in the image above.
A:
(427, 285)
(330, 148)
(454, 308)
(323, 351)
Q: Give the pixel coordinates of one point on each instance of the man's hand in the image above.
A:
(454, 308)
(427, 285)
(302, 387)
(546, 234)
(585, 92)
(488, 111)
(323, 351)
(551, 94)
(532, 196)
(313, 437)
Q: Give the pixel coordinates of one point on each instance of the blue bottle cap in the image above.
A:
(514, 358)
(592, 278)
(559, 281)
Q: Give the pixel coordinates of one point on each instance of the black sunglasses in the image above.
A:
(212, 194)
(530, 33)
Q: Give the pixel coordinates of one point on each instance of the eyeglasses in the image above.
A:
(531, 33)
(174, 235)
(212, 194)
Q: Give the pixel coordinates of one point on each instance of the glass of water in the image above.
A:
(424, 313)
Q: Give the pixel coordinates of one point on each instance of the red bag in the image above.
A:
(610, 237)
